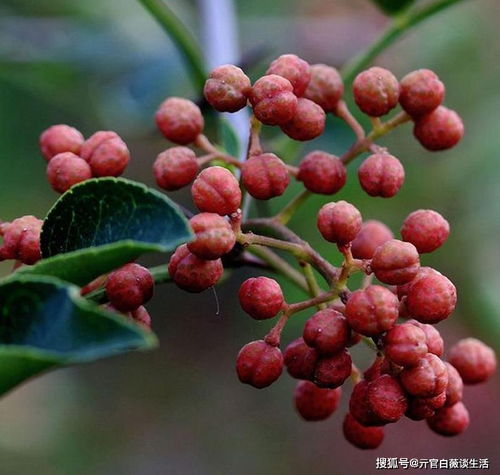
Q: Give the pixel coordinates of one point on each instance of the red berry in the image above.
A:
(395, 262)
(359, 408)
(213, 236)
(450, 421)
(227, 88)
(475, 361)
(405, 344)
(402, 290)
(261, 297)
(192, 273)
(455, 387)
(259, 364)
(433, 338)
(427, 378)
(300, 359)
(141, 316)
(327, 331)
(313, 403)
(216, 190)
(129, 287)
(67, 169)
(265, 176)
(380, 366)
(21, 239)
(382, 175)
(307, 123)
(372, 311)
(376, 91)
(339, 222)
(293, 68)
(425, 229)
(58, 139)
(431, 298)
(371, 235)
(421, 92)
(386, 399)
(322, 173)
(273, 100)
(179, 120)
(441, 129)
(106, 153)
(325, 87)
(420, 408)
(361, 436)
(175, 168)
(331, 371)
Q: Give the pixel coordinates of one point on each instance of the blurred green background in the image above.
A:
(179, 409)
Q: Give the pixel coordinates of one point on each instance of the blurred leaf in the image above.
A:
(103, 223)
(392, 7)
(45, 324)
(229, 138)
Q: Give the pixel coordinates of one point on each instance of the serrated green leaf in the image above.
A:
(45, 324)
(103, 223)
(393, 7)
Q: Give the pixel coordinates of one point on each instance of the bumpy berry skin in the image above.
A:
(261, 297)
(382, 175)
(307, 123)
(422, 408)
(395, 262)
(327, 331)
(433, 338)
(259, 364)
(331, 371)
(425, 229)
(322, 173)
(213, 236)
(372, 311)
(405, 344)
(67, 169)
(386, 399)
(179, 120)
(58, 139)
(293, 68)
(431, 298)
(339, 222)
(359, 408)
(191, 273)
(129, 287)
(313, 403)
(141, 316)
(361, 436)
(475, 361)
(325, 87)
(421, 92)
(106, 153)
(216, 190)
(21, 239)
(273, 100)
(440, 130)
(300, 359)
(175, 168)
(455, 386)
(371, 235)
(402, 290)
(227, 88)
(427, 378)
(376, 91)
(265, 176)
(450, 421)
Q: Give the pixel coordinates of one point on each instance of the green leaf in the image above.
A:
(45, 324)
(103, 223)
(393, 7)
(229, 138)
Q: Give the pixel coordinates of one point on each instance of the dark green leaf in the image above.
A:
(392, 7)
(44, 324)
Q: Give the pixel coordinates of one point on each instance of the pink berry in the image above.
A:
(307, 123)
(300, 359)
(339, 222)
(21, 239)
(265, 176)
(213, 236)
(261, 297)
(322, 173)
(450, 421)
(313, 403)
(216, 190)
(440, 130)
(421, 92)
(175, 168)
(259, 364)
(405, 344)
(427, 378)
(58, 139)
(455, 386)
(382, 175)
(433, 338)
(376, 91)
(420, 408)
(67, 169)
(106, 153)
(425, 229)
(179, 120)
(327, 331)
(361, 436)
(141, 316)
(325, 87)
(293, 68)
(395, 262)
(475, 361)
(332, 371)
(371, 235)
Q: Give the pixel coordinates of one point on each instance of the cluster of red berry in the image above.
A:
(408, 376)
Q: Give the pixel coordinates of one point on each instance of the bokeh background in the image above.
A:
(179, 409)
